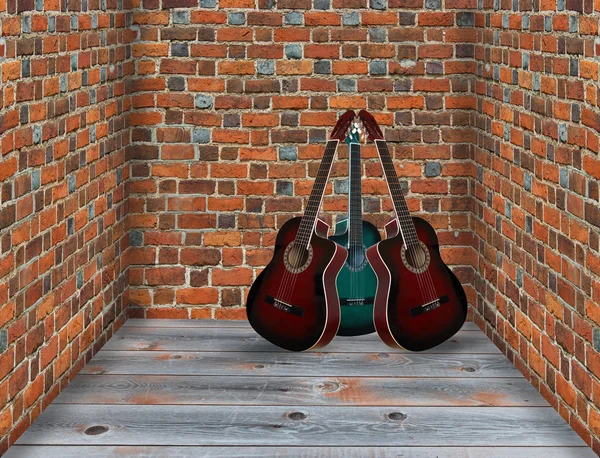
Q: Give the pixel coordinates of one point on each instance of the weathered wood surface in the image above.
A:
(242, 390)
(299, 364)
(296, 452)
(245, 339)
(306, 426)
(191, 388)
(177, 323)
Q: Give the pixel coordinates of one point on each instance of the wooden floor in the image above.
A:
(179, 388)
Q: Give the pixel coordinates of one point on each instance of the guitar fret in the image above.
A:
(405, 221)
(354, 197)
(307, 223)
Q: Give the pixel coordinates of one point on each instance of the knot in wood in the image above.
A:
(296, 415)
(383, 355)
(468, 369)
(95, 430)
(327, 387)
(259, 366)
(397, 416)
(175, 356)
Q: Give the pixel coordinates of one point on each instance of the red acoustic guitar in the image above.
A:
(419, 302)
(294, 302)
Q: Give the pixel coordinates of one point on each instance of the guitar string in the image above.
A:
(295, 251)
(413, 252)
(326, 165)
(400, 215)
(430, 286)
(287, 285)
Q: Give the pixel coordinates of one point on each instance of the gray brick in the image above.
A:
(72, 184)
(288, 153)
(346, 85)
(465, 19)
(378, 67)
(204, 101)
(293, 51)
(3, 340)
(433, 4)
(135, 238)
(294, 18)
(181, 17)
(340, 186)
(265, 67)
(433, 169)
(564, 178)
(378, 4)
(284, 188)
(208, 3)
(37, 134)
(527, 181)
(179, 50)
(350, 18)
(377, 34)
(201, 136)
(322, 4)
(563, 134)
(35, 179)
(236, 18)
(323, 67)
(596, 338)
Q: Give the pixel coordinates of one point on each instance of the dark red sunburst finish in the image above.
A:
(296, 305)
(398, 292)
(314, 291)
(420, 307)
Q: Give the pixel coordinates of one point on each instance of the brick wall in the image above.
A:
(233, 105)
(536, 213)
(150, 152)
(63, 132)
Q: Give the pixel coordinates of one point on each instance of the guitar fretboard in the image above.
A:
(405, 221)
(307, 224)
(355, 198)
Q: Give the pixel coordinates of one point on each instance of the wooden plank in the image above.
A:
(306, 426)
(300, 364)
(184, 323)
(245, 339)
(242, 390)
(20, 451)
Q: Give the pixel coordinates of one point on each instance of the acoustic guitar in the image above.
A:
(356, 282)
(419, 301)
(294, 302)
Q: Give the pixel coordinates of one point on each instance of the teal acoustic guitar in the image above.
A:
(356, 282)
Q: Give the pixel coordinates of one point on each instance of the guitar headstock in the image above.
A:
(356, 133)
(342, 127)
(370, 125)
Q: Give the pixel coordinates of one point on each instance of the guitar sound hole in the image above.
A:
(297, 258)
(416, 257)
(356, 258)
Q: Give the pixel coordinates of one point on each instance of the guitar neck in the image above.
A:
(405, 221)
(355, 198)
(307, 224)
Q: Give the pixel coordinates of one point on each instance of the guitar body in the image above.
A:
(356, 281)
(400, 319)
(298, 311)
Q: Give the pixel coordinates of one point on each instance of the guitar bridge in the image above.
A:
(429, 306)
(284, 306)
(357, 301)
